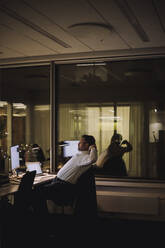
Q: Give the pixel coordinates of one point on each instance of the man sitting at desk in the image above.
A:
(64, 187)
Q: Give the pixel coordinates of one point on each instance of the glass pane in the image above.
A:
(3, 134)
(18, 123)
(26, 90)
(126, 97)
(157, 141)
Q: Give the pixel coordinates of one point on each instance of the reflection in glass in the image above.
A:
(118, 96)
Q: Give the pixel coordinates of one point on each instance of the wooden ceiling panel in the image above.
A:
(149, 18)
(8, 52)
(80, 12)
(21, 44)
(91, 28)
(113, 13)
(40, 20)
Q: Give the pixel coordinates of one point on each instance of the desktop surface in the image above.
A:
(13, 184)
(38, 177)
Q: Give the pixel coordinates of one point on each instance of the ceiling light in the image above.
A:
(110, 118)
(19, 106)
(19, 114)
(2, 104)
(92, 64)
(42, 107)
(92, 24)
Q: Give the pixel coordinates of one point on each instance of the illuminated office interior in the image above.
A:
(92, 99)
(69, 68)
(25, 112)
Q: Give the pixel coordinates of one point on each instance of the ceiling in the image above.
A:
(38, 30)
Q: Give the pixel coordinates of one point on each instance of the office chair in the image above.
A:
(23, 196)
(86, 201)
(61, 202)
(82, 207)
(83, 201)
(16, 217)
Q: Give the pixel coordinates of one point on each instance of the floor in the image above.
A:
(104, 232)
(57, 230)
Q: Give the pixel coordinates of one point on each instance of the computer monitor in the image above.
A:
(15, 158)
(70, 148)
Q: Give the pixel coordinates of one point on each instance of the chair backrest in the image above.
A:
(27, 181)
(23, 196)
(86, 204)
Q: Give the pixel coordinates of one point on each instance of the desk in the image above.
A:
(7, 195)
(11, 188)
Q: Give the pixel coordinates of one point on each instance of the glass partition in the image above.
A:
(3, 134)
(125, 97)
(25, 114)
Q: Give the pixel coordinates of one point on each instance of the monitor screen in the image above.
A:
(70, 148)
(15, 159)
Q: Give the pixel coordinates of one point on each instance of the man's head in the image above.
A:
(116, 138)
(85, 142)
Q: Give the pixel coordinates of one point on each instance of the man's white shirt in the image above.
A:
(77, 165)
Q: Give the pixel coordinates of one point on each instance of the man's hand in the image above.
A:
(91, 147)
(127, 145)
(124, 142)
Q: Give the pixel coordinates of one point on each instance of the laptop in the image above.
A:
(34, 166)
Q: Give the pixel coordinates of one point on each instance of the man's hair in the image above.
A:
(116, 138)
(89, 139)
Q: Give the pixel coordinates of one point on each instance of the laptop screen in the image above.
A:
(31, 166)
